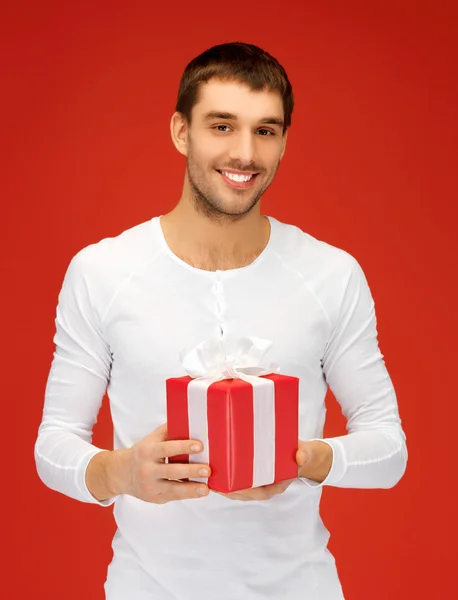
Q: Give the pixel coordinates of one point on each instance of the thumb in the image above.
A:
(303, 455)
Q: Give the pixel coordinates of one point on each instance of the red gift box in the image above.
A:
(249, 429)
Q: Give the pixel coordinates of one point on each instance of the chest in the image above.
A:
(152, 322)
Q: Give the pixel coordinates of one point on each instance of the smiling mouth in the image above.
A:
(238, 180)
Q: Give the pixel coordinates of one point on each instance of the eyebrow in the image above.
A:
(214, 114)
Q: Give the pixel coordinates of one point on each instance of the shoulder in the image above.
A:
(98, 269)
(313, 257)
(129, 246)
(327, 270)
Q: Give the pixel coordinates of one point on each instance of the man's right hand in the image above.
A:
(141, 470)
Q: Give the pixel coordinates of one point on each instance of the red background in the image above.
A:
(370, 167)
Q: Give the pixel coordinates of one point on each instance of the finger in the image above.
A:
(183, 470)
(260, 493)
(233, 496)
(249, 494)
(161, 433)
(251, 497)
(263, 492)
(175, 448)
(280, 487)
(183, 490)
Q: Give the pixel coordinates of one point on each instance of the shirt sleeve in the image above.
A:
(373, 454)
(75, 388)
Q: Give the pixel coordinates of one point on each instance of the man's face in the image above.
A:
(234, 145)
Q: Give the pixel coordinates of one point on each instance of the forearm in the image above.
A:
(61, 459)
(367, 459)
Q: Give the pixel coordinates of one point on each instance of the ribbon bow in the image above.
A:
(219, 359)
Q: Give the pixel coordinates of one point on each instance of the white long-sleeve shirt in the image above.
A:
(127, 307)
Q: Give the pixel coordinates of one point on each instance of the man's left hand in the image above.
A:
(314, 460)
(263, 492)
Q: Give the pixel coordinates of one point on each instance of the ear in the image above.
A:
(179, 132)
(285, 137)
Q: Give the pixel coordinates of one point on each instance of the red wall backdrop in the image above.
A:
(371, 167)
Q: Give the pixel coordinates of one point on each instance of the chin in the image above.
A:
(237, 211)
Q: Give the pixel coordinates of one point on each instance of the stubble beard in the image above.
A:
(209, 204)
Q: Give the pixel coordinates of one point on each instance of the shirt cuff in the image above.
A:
(338, 466)
(81, 481)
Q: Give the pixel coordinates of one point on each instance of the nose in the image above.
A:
(243, 148)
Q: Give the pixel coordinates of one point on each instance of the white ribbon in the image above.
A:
(215, 360)
(219, 359)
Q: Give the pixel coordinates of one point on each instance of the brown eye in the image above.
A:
(266, 132)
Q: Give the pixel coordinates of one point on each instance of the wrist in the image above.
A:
(317, 461)
(117, 472)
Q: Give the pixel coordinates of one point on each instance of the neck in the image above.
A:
(214, 244)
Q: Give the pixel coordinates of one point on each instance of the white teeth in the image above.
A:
(239, 178)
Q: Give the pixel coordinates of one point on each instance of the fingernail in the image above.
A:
(195, 447)
(203, 472)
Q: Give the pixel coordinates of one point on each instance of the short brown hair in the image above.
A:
(235, 61)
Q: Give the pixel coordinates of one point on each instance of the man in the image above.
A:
(215, 267)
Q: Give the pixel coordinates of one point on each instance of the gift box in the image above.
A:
(246, 419)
